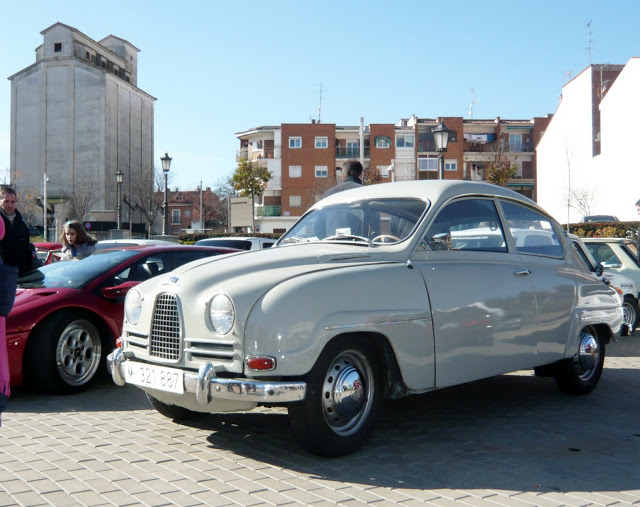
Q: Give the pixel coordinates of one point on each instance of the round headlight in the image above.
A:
(133, 306)
(221, 313)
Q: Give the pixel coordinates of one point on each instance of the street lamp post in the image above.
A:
(119, 176)
(166, 165)
(441, 137)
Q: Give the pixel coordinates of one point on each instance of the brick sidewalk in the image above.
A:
(513, 440)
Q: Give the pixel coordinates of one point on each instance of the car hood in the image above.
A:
(270, 266)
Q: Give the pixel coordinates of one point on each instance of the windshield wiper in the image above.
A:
(347, 237)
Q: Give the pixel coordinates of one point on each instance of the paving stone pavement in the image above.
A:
(512, 440)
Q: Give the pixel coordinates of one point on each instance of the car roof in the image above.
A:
(436, 191)
(606, 240)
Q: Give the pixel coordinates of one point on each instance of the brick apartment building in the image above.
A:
(306, 158)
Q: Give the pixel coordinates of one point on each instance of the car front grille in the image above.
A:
(165, 329)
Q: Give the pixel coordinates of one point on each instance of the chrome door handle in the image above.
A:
(524, 272)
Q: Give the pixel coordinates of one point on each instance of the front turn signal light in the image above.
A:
(261, 363)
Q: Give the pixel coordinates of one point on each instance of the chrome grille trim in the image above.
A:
(165, 328)
(210, 349)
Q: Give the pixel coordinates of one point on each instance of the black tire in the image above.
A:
(172, 411)
(630, 310)
(64, 354)
(344, 397)
(580, 375)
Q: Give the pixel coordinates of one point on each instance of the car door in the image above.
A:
(541, 250)
(482, 298)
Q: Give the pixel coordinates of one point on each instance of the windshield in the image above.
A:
(74, 274)
(365, 222)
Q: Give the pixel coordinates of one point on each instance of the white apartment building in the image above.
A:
(586, 151)
(77, 117)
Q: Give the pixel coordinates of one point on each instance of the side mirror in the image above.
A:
(441, 241)
(599, 269)
(119, 291)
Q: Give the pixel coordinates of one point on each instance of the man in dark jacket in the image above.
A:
(15, 247)
(351, 177)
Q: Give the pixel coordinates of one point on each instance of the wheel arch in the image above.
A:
(394, 386)
(103, 327)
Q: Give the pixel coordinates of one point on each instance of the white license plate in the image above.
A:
(157, 377)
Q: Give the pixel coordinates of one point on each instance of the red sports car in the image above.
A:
(68, 315)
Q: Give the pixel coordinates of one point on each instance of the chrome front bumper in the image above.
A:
(206, 386)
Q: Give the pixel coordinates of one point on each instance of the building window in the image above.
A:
(295, 142)
(87, 55)
(450, 165)
(383, 142)
(322, 171)
(428, 163)
(57, 47)
(515, 142)
(295, 171)
(104, 64)
(187, 213)
(322, 142)
(405, 140)
(175, 216)
(93, 58)
(295, 201)
(353, 149)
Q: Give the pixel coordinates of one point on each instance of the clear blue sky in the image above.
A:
(220, 67)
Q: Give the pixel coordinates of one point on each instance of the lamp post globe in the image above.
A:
(119, 176)
(441, 138)
(166, 165)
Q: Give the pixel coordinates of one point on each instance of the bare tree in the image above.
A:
(225, 190)
(147, 195)
(213, 209)
(501, 169)
(582, 200)
(82, 197)
(371, 176)
(28, 204)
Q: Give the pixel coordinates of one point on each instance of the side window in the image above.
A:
(467, 224)
(603, 254)
(532, 231)
(582, 256)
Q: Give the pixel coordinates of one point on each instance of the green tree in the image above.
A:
(250, 180)
(500, 171)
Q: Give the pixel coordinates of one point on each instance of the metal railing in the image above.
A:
(268, 211)
(349, 152)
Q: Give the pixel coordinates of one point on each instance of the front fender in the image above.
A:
(295, 319)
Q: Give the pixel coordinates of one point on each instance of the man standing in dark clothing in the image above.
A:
(15, 247)
(351, 177)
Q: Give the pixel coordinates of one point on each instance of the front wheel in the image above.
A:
(64, 355)
(580, 374)
(344, 396)
(630, 314)
(172, 411)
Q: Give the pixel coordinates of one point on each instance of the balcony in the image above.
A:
(268, 211)
(350, 152)
(524, 146)
(253, 154)
(426, 146)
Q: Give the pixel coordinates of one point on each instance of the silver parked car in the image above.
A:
(382, 291)
(242, 243)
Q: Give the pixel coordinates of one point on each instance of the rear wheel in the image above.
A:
(580, 374)
(344, 396)
(630, 314)
(172, 411)
(64, 354)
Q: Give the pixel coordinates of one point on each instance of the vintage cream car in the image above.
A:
(376, 292)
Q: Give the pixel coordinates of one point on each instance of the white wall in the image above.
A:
(619, 170)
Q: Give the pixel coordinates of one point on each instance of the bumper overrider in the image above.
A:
(207, 387)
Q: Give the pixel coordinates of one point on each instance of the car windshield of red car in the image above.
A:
(74, 274)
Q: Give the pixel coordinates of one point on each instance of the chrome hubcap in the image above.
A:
(347, 392)
(629, 315)
(588, 355)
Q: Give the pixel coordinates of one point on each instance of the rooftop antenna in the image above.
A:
(473, 101)
(320, 104)
(589, 41)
